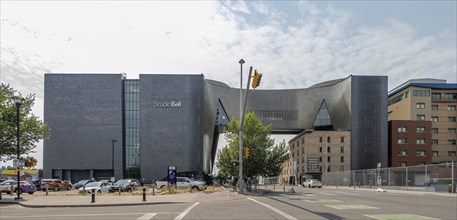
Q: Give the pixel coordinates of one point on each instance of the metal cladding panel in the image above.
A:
(171, 124)
(84, 112)
(369, 122)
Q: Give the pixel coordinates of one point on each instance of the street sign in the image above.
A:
(172, 175)
(313, 164)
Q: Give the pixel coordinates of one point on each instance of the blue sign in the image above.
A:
(172, 175)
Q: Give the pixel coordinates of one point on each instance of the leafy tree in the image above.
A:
(32, 130)
(264, 158)
(30, 162)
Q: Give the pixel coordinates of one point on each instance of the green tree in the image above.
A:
(277, 155)
(32, 130)
(256, 137)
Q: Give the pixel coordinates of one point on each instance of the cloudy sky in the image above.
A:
(295, 44)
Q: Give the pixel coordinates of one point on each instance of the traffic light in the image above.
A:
(256, 80)
(247, 152)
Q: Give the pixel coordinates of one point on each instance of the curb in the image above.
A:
(94, 205)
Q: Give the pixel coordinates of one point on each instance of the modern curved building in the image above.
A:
(160, 120)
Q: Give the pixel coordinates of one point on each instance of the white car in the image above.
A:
(311, 183)
(100, 187)
(183, 183)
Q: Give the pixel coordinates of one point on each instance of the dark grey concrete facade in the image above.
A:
(178, 119)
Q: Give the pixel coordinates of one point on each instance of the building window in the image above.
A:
(451, 131)
(436, 96)
(451, 142)
(341, 168)
(434, 142)
(342, 159)
(435, 130)
(293, 154)
(328, 139)
(420, 164)
(401, 129)
(420, 152)
(451, 107)
(328, 149)
(451, 119)
(402, 164)
(402, 153)
(303, 150)
(342, 150)
(389, 114)
(320, 139)
(328, 159)
(342, 139)
(420, 105)
(434, 107)
(451, 153)
(320, 149)
(298, 152)
(302, 141)
(420, 129)
(293, 146)
(420, 141)
(421, 93)
(434, 119)
(402, 141)
(420, 117)
(450, 95)
(320, 159)
(303, 160)
(434, 153)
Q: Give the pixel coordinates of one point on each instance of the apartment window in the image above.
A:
(434, 153)
(389, 114)
(420, 164)
(342, 159)
(302, 159)
(451, 107)
(328, 159)
(328, 149)
(320, 139)
(341, 168)
(451, 153)
(293, 154)
(328, 169)
(420, 129)
(421, 93)
(402, 153)
(420, 105)
(302, 141)
(420, 152)
(436, 95)
(342, 150)
(298, 152)
(451, 119)
(420, 141)
(342, 139)
(450, 95)
(434, 142)
(320, 159)
(328, 139)
(451, 142)
(402, 141)
(420, 117)
(435, 130)
(292, 146)
(401, 129)
(434, 107)
(320, 149)
(402, 164)
(451, 131)
(303, 150)
(434, 119)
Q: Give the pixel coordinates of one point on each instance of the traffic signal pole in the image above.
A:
(242, 112)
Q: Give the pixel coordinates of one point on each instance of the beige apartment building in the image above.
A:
(426, 100)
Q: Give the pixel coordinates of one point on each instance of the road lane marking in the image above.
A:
(180, 216)
(78, 215)
(322, 200)
(274, 209)
(399, 217)
(147, 216)
(340, 207)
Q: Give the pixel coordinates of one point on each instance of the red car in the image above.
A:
(55, 184)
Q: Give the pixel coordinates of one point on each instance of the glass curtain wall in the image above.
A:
(132, 128)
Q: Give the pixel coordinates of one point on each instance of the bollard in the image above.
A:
(284, 187)
(144, 194)
(84, 189)
(93, 195)
(154, 190)
(11, 190)
(119, 190)
(47, 189)
(0, 195)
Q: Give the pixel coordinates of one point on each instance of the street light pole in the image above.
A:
(241, 130)
(112, 155)
(18, 100)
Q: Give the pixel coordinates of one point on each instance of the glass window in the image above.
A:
(320, 159)
(402, 164)
(320, 149)
(341, 168)
(435, 130)
(402, 141)
(342, 150)
(328, 158)
(450, 95)
(434, 118)
(421, 93)
(420, 105)
(401, 129)
(420, 129)
(434, 142)
(420, 163)
(328, 149)
(434, 153)
(342, 140)
(451, 119)
(328, 139)
(420, 152)
(342, 159)
(320, 139)
(402, 153)
(420, 117)
(389, 114)
(436, 95)
(451, 142)
(420, 141)
(451, 130)
(434, 107)
(451, 107)
(451, 153)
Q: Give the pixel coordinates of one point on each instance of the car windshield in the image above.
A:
(93, 184)
(82, 182)
(122, 182)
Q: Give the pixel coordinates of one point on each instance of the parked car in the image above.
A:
(126, 185)
(25, 186)
(82, 183)
(311, 183)
(55, 184)
(183, 183)
(37, 184)
(98, 186)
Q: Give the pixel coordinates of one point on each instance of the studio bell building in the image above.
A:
(105, 125)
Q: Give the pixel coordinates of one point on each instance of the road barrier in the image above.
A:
(144, 194)
(93, 196)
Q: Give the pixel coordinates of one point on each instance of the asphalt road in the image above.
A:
(307, 203)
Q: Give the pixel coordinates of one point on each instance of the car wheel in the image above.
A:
(320, 186)
(99, 191)
(56, 188)
(195, 188)
(163, 186)
(69, 188)
(31, 193)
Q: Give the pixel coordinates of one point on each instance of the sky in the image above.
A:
(294, 44)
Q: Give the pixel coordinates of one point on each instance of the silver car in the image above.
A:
(311, 183)
(100, 187)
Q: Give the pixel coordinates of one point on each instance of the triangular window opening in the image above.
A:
(221, 116)
(323, 119)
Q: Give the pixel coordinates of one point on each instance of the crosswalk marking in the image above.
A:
(274, 209)
(147, 216)
(351, 207)
(181, 216)
(399, 217)
(322, 200)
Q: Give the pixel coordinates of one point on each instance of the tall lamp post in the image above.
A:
(241, 131)
(112, 155)
(18, 100)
